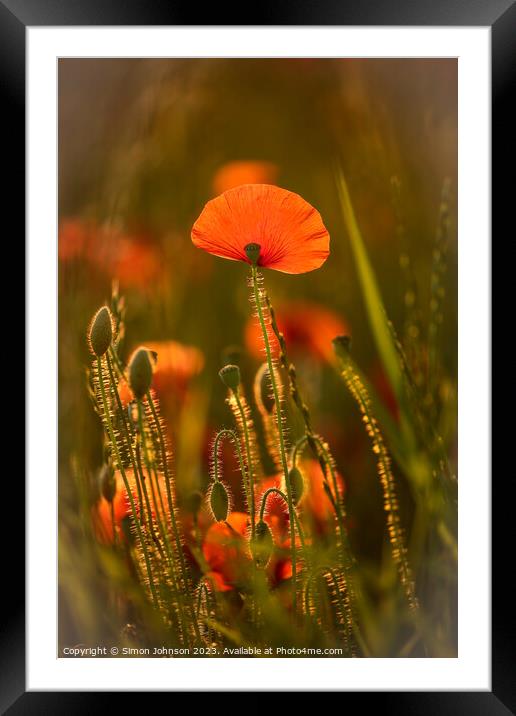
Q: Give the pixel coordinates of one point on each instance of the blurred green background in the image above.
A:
(141, 147)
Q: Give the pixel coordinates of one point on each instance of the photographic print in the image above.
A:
(257, 358)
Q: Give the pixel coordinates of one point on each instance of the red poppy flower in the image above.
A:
(176, 365)
(289, 232)
(225, 550)
(307, 327)
(316, 506)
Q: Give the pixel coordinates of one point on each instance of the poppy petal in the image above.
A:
(290, 232)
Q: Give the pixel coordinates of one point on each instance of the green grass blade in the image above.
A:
(418, 469)
(373, 300)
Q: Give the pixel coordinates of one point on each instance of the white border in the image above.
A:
(471, 670)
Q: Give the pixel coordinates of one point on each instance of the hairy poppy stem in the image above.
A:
(137, 469)
(395, 531)
(126, 484)
(231, 435)
(162, 528)
(182, 562)
(250, 479)
(344, 546)
(283, 454)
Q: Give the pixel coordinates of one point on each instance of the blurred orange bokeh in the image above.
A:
(235, 173)
(307, 328)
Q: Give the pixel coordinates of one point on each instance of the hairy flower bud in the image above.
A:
(101, 331)
(140, 372)
(219, 501)
(297, 484)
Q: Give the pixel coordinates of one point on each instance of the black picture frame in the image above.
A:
(500, 15)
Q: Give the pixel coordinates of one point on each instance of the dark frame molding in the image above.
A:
(500, 15)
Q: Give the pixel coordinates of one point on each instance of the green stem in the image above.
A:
(126, 483)
(283, 455)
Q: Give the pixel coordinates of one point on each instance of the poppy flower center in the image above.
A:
(252, 251)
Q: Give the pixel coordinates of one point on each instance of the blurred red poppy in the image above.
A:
(316, 506)
(132, 258)
(226, 551)
(136, 263)
(101, 512)
(289, 232)
(176, 365)
(236, 173)
(307, 327)
(75, 237)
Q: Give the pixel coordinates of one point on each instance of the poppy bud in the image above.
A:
(107, 482)
(297, 484)
(230, 376)
(263, 389)
(342, 347)
(101, 331)
(262, 544)
(140, 372)
(219, 501)
(252, 251)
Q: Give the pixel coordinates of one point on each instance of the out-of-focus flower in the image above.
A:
(136, 263)
(285, 231)
(307, 327)
(125, 393)
(176, 365)
(236, 173)
(75, 238)
(132, 258)
(101, 512)
(315, 505)
(225, 549)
